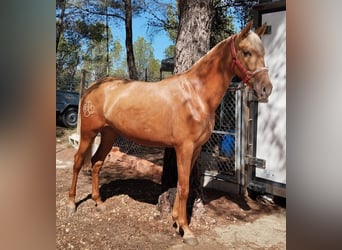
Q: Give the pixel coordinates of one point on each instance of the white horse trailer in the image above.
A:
(268, 120)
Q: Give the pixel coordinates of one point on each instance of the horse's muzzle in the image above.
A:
(264, 92)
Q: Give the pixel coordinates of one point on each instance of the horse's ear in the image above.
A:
(261, 30)
(244, 32)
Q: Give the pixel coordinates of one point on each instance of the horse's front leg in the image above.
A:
(179, 212)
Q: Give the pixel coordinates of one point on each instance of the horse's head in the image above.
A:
(248, 60)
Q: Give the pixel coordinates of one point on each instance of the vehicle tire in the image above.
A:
(69, 117)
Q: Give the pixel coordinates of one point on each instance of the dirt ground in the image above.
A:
(132, 221)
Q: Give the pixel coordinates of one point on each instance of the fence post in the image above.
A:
(82, 86)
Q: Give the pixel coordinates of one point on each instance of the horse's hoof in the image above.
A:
(101, 207)
(71, 208)
(192, 241)
(178, 230)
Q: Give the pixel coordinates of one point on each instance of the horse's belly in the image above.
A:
(147, 128)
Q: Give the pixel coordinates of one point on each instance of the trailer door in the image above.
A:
(271, 139)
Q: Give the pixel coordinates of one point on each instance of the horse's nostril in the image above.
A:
(266, 91)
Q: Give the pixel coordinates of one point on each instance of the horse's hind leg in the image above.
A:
(83, 153)
(107, 140)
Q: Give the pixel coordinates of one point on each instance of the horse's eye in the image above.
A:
(247, 53)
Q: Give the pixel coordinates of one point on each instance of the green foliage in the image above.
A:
(76, 35)
(67, 59)
(242, 10)
(143, 51)
(118, 61)
(117, 50)
(144, 59)
(94, 60)
(172, 22)
(94, 32)
(171, 27)
(169, 51)
(222, 26)
(153, 70)
(82, 46)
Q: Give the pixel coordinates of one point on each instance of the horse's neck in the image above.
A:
(211, 75)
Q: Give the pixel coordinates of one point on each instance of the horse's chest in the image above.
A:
(204, 129)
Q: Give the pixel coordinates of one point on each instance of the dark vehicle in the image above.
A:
(67, 107)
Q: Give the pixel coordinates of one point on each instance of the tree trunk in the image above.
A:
(193, 41)
(132, 70)
(60, 24)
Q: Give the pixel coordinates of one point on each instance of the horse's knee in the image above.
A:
(183, 192)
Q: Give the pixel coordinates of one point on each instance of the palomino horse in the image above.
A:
(175, 112)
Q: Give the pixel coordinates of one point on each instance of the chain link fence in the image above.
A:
(152, 154)
(218, 153)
